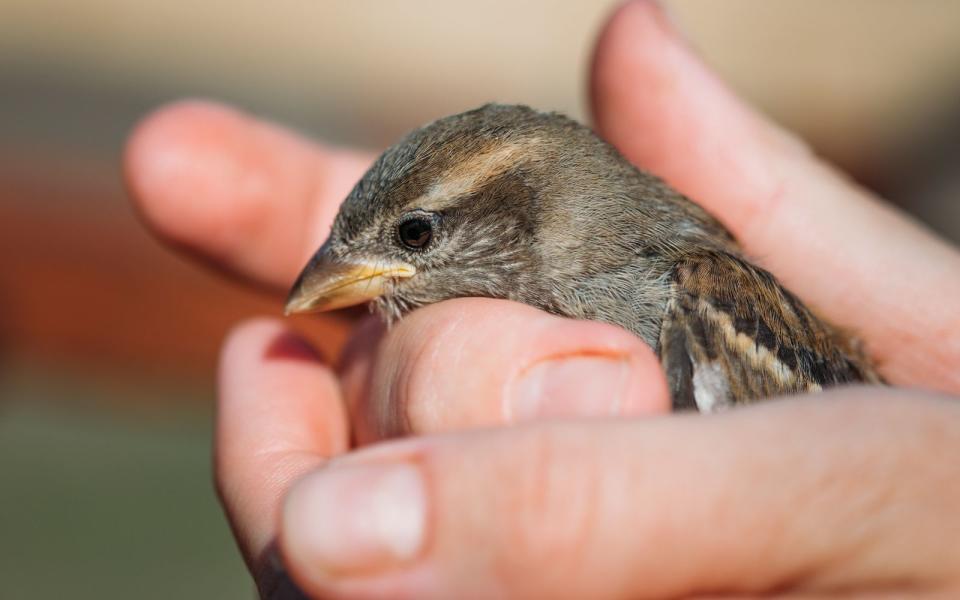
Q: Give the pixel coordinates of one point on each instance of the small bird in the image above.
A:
(507, 202)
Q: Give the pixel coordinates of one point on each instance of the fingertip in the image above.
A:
(266, 365)
(177, 165)
(275, 392)
(247, 194)
(622, 44)
(250, 334)
(266, 340)
(647, 89)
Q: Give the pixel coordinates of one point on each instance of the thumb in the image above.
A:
(735, 504)
(479, 362)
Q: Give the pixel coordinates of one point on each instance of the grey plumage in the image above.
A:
(534, 207)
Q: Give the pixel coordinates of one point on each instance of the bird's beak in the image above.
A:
(329, 282)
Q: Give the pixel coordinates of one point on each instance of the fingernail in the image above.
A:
(363, 518)
(572, 386)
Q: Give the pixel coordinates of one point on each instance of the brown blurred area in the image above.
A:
(94, 312)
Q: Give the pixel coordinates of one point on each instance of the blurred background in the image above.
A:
(108, 342)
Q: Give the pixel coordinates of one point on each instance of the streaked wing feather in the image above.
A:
(732, 334)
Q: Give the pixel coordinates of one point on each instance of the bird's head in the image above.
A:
(502, 201)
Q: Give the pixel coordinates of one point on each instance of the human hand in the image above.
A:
(257, 202)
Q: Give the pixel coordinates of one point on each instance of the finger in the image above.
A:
(660, 508)
(856, 260)
(279, 416)
(246, 195)
(479, 362)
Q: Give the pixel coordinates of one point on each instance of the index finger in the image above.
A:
(244, 195)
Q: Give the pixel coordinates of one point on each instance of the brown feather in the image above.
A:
(729, 316)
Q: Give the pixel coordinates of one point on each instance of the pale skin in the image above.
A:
(854, 492)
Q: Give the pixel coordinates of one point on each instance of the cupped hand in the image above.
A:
(670, 506)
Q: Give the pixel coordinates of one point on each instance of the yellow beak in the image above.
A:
(327, 283)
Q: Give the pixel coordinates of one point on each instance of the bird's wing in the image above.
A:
(732, 334)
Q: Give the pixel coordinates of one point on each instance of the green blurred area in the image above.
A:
(98, 503)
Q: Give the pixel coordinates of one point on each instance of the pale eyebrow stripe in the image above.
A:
(470, 175)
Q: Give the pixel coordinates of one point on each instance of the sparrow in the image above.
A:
(504, 201)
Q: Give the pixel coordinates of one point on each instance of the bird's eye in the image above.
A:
(416, 232)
